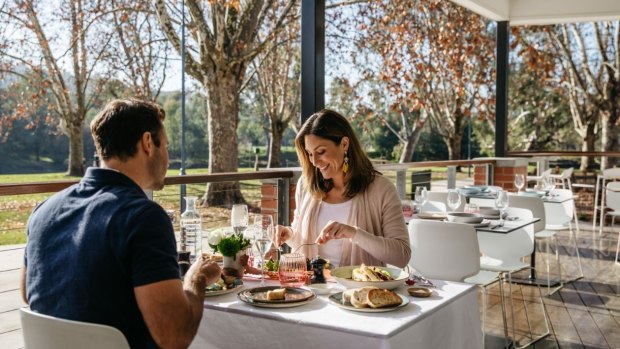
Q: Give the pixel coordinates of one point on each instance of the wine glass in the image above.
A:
(420, 197)
(501, 202)
(239, 218)
(453, 199)
(549, 184)
(519, 181)
(263, 239)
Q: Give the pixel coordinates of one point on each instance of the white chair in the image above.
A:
(613, 202)
(442, 196)
(503, 253)
(564, 178)
(48, 332)
(449, 251)
(544, 174)
(610, 174)
(558, 216)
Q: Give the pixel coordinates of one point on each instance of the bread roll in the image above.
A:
(276, 294)
(383, 298)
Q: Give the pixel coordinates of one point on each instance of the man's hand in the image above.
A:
(202, 273)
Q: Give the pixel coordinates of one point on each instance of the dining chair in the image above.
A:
(442, 196)
(49, 332)
(502, 253)
(558, 216)
(613, 202)
(608, 175)
(544, 174)
(449, 251)
(564, 178)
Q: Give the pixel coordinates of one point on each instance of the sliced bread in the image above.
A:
(359, 297)
(379, 298)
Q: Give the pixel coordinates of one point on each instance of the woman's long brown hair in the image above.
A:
(330, 125)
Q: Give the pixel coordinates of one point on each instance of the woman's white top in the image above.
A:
(332, 250)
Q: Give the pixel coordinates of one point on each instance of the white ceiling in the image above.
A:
(539, 12)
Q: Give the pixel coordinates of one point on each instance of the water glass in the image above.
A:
(519, 181)
(420, 196)
(453, 199)
(408, 209)
(292, 270)
(239, 218)
(501, 202)
(263, 239)
(471, 208)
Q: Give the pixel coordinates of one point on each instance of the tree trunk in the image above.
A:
(587, 145)
(410, 144)
(275, 144)
(454, 146)
(610, 142)
(76, 150)
(223, 112)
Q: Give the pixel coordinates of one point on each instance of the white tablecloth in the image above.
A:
(448, 319)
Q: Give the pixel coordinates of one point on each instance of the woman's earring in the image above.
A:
(345, 165)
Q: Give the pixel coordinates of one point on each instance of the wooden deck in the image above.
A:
(583, 314)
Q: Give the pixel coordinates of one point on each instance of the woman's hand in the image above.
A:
(282, 234)
(335, 230)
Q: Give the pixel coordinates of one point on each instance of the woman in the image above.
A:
(344, 205)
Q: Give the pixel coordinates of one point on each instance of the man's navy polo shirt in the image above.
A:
(90, 245)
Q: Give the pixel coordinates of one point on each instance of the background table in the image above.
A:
(448, 319)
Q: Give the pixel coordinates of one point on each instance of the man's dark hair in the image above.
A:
(117, 129)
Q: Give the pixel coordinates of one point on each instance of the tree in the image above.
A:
(588, 59)
(436, 62)
(224, 37)
(47, 56)
(276, 79)
(142, 58)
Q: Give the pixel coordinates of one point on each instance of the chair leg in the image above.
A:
(546, 318)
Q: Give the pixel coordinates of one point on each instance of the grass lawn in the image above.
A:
(15, 209)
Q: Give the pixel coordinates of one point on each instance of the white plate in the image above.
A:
(220, 292)
(274, 305)
(343, 276)
(336, 299)
(432, 215)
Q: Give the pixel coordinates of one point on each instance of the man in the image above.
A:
(102, 252)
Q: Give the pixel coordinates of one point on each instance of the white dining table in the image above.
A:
(447, 319)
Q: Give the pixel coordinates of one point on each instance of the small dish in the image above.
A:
(322, 289)
(432, 215)
(221, 292)
(420, 292)
(463, 217)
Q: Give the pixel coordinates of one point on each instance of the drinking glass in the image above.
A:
(263, 239)
(519, 181)
(501, 202)
(549, 184)
(408, 209)
(239, 218)
(454, 199)
(471, 208)
(420, 196)
(292, 270)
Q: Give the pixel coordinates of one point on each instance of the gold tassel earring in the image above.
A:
(345, 165)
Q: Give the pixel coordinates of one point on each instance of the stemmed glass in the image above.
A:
(453, 199)
(549, 184)
(239, 218)
(263, 239)
(519, 181)
(420, 197)
(501, 202)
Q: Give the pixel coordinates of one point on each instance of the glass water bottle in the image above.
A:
(191, 228)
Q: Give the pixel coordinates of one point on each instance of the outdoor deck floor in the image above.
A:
(583, 314)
